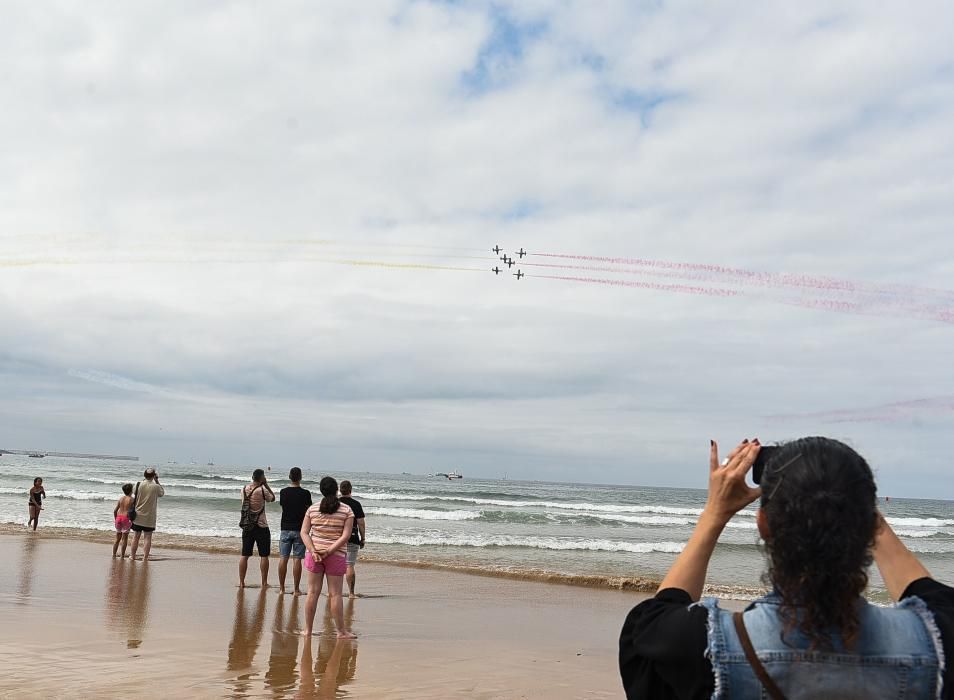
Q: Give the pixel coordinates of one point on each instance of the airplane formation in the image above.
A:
(508, 261)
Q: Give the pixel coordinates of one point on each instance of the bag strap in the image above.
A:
(764, 678)
(136, 494)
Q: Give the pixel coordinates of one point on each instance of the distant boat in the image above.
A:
(210, 463)
(406, 473)
(453, 475)
(37, 454)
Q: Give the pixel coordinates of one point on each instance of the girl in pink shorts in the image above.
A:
(325, 532)
(121, 517)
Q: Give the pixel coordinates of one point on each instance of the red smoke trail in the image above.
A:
(768, 279)
(686, 289)
(883, 412)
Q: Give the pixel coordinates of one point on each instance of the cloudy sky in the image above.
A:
(211, 214)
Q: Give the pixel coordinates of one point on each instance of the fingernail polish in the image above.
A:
(745, 442)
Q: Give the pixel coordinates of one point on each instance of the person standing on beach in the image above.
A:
(356, 541)
(146, 503)
(294, 501)
(256, 494)
(121, 519)
(37, 494)
(325, 531)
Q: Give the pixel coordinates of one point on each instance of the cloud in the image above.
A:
(178, 180)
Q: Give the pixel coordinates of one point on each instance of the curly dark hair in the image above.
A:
(819, 502)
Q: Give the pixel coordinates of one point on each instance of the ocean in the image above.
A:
(614, 536)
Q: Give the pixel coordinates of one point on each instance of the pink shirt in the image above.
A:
(327, 528)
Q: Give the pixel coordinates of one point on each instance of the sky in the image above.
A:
(221, 223)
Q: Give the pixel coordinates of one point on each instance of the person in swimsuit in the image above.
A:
(37, 494)
(325, 532)
(121, 518)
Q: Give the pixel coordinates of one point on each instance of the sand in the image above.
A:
(80, 624)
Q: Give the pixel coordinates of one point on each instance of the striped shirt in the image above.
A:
(326, 528)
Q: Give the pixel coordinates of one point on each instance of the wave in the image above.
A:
(426, 514)
(554, 543)
(901, 532)
(561, 505)
(919, 522)
(68, 495)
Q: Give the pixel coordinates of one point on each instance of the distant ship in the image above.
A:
(210, 463)
(453, 475)
(37, 454)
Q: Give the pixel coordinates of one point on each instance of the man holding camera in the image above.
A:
(256, 494)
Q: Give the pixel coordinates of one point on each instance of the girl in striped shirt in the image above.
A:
(325, 532)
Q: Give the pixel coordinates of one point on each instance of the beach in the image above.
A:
(81, 624)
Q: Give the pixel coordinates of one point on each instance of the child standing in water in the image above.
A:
(123, 523)
(37, 493)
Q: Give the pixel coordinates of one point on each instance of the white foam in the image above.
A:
(425, 514)
(555, 543)
(919, 522)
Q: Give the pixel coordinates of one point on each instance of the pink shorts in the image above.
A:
(123, 523)
(335, 565)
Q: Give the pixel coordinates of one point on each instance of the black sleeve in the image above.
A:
(940, 600)
(308, 498)
(358, 511)
(662, 649)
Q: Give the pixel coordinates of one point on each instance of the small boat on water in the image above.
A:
(453, 475)
(38, 455)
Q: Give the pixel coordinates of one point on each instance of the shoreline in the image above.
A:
(421, 634)
(231, 546)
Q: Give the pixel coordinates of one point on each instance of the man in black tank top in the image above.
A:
(357, 534)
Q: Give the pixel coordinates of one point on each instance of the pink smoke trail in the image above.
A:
(768, 279)
(883, 412)
(686, 289)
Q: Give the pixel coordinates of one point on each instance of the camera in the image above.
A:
(758, 467)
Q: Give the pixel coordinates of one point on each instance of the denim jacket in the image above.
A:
(898, 654)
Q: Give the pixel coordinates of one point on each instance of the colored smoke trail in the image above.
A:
(888, 412)
(394, 266)
(760, 278)
(683, 288)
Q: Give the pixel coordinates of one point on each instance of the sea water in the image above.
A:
(596, 534)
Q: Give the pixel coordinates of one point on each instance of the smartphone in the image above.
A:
(758, 467)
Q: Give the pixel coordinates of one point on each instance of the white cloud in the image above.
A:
(166, 164)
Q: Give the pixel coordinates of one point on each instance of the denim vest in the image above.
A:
(898, 654)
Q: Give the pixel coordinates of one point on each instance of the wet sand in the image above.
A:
(79, 623)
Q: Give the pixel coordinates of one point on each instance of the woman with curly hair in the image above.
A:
(814, 635)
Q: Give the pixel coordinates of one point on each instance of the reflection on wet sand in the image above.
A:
(246, 636)
(25, 579)
(127, 601)
(281, 676)
(336, 663)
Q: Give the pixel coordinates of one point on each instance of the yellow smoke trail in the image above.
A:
(393, 266)
(184, 261)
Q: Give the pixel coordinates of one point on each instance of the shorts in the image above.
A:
(140, 528)
(123, 523)
(290, 545)
(335, 565)
(353, 553)
(260, 536)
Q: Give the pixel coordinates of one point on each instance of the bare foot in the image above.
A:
(347, 635)
(306, 633)
(241, 584)
(299, 592)
(281, 591)
(265, 585)
(352, 596)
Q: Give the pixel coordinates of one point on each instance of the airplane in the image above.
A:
(509, 262)
(497, 249)
(495, 270)
(521, 252)
(518, 275)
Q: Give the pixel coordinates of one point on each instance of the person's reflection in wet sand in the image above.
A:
(117, 585)
(137, 605)
(282, 672)
(246, 636)
(25, 579)
(331, 666)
